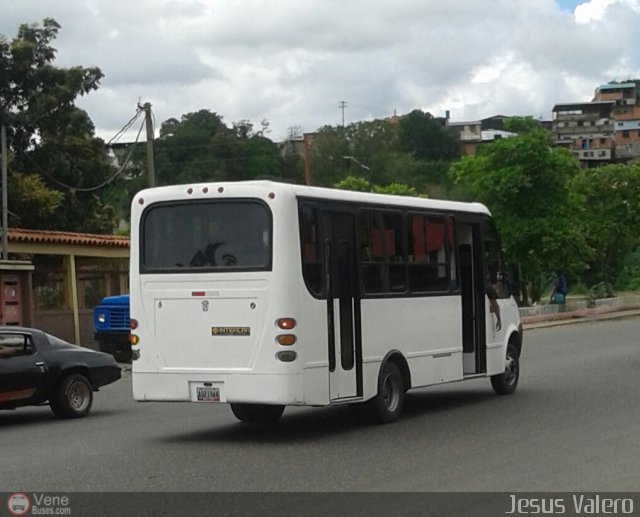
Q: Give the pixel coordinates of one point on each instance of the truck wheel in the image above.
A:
(73, 397)
(257, 413)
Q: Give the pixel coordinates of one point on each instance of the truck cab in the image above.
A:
(111, 326)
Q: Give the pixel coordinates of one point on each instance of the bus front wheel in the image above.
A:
(507, 382)
(257, 413)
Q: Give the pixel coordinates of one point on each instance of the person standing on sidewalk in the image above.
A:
(558, 288)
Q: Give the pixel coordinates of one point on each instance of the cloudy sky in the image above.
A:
(292, 62)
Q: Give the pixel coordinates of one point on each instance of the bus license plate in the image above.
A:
(208, 394)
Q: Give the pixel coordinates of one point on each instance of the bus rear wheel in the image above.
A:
(257, 413)
(506, 383)
(386, 406)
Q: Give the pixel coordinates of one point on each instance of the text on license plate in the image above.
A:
(208, 394)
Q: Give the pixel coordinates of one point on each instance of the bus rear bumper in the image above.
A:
(227, 387)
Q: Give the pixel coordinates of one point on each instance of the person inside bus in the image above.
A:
(494, 308)
(492, 293)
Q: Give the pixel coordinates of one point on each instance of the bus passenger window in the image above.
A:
(382, 260)
(430, 244)
(310, 249)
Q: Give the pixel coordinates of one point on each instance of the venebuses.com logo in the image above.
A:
(18, 504)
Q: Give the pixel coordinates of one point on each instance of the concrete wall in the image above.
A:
(60, 324)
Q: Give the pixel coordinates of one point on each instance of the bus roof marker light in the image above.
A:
(286, 323)
(140, 201)
(189, 191)
(220, 190)
(271, 195)
(205, 189)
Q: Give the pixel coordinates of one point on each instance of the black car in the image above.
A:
(36, 367)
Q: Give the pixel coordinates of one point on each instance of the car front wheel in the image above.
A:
(73, 397)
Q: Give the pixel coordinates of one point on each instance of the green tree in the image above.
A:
(426, 138)
(354, 183)
(359, 184)
(52, 142)
(398, 189)
(326, 162)
(200, 147)
(607, 210)
(414, 151)
(524, 181)
(521, 125)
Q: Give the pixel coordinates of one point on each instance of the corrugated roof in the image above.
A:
(51, 237)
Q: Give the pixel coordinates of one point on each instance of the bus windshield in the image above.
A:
(207, 235)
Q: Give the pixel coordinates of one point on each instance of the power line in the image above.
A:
(47, 175)
(125, 127)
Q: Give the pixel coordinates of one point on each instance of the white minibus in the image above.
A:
(264, 295)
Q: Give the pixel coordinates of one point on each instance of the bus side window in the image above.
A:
(430, 244)
(494, 270)
(310, 249)
(382, 252)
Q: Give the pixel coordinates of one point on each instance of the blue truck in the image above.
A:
(111, 326)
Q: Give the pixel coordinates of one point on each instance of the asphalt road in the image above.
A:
(573, 425)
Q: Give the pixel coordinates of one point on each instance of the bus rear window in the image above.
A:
(197, 236)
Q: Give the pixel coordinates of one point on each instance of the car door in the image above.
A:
(22, 370)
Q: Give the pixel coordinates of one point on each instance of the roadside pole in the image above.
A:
(5, 196)
(151, 171)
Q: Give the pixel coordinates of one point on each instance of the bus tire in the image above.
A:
(257, 413)
(506, 383)
(386, 406)
(73, 397)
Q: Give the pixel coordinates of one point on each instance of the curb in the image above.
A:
(580, 316)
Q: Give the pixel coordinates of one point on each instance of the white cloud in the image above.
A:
(595, 10)
(291, 62)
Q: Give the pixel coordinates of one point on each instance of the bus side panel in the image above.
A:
(426, 330)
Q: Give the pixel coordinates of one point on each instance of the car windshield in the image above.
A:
(56, 342)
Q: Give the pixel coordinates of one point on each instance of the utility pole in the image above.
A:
(342, 105)
(148, 122)
(307, 173)
(5, 196)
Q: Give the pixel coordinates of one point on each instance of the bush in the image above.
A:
(599, 291)
(629, 277)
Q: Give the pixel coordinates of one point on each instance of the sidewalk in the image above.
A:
(576, 311)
